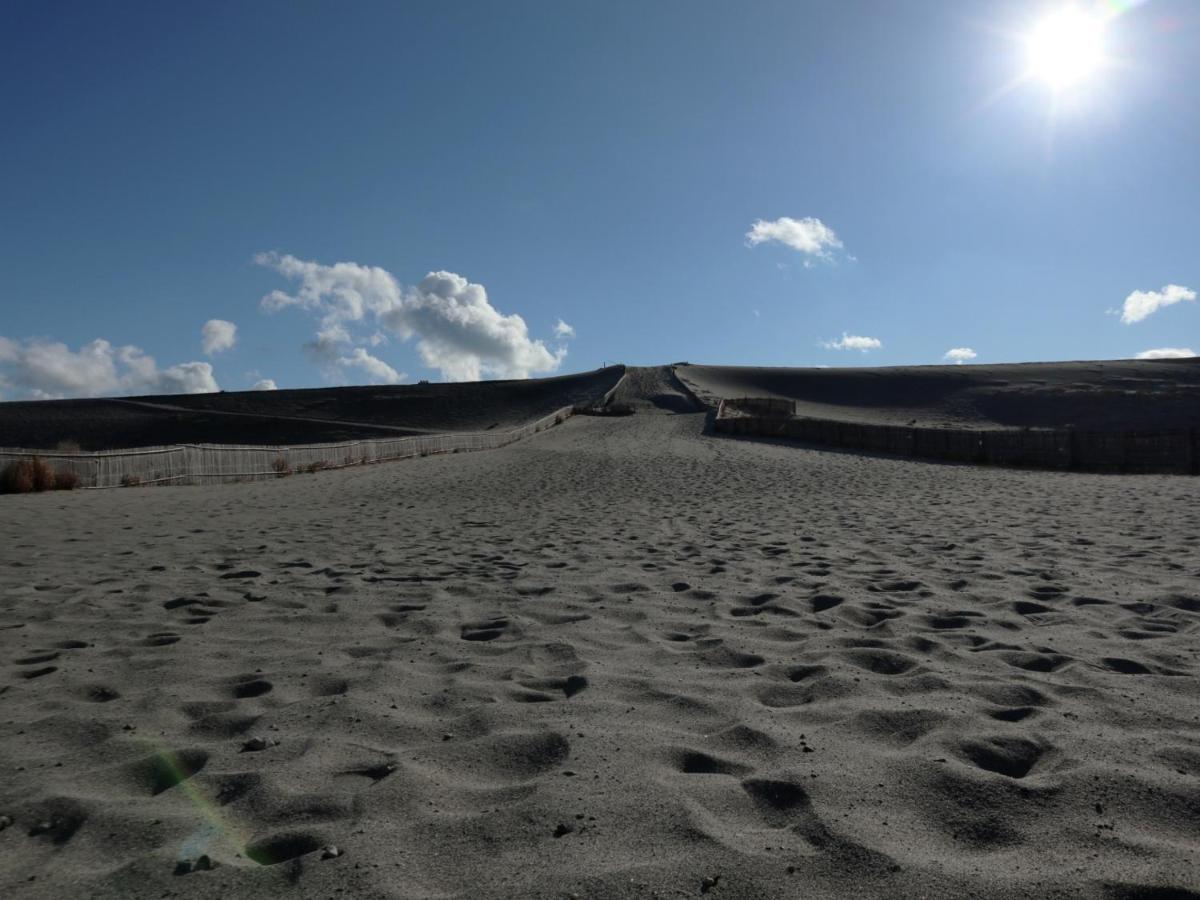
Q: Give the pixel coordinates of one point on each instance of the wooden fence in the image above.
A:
(207, 463)
(1170, 451)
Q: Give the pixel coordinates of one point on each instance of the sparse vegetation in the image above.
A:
(16, 478)
(23, 476)
(130, 481)
(66, 480)
(68, 446)
(282, 467)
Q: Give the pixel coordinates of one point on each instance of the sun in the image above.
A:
(1065, 48)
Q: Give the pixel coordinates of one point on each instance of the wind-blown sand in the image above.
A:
(614, 660)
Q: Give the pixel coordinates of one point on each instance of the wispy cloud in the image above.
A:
(959, 355)
(43, 369)
(563, 331)
(264, 384)
(1167, 353)
(217, 335)
(809, 235)
(853, 342)
(457, 329)
(1140, 304)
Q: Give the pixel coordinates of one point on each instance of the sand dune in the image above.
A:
(623, 658)
(296, 416)
(1101, 395)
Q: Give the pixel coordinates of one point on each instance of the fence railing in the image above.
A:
(207, 463)
(1168, 451)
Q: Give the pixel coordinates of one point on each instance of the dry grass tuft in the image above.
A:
(66, 480)
(16, 478)
(282, 467)
(43, 475)
(23, 476)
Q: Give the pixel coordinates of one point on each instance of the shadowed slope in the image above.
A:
(1103, 395)
(297, 416)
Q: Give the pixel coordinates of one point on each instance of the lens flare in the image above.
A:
(1066, 47)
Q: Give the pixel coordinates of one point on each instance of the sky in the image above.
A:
(256, 195)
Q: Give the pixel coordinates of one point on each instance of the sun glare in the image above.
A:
(1066, 47)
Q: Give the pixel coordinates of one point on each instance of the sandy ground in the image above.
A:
(1104, 395)
(621, 659)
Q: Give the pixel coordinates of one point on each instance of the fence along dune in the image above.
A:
(200, 463)
(1118, 416)
(294, 417)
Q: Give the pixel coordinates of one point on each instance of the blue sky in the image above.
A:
(599, 164)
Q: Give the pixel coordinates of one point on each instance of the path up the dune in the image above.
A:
(654, 389)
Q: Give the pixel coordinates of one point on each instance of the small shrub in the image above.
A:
(43, 475)
(17, 478)
(130, 481)
(282, 467)
(22, 476)
(66, 480)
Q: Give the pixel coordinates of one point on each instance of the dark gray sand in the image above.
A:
(620, 659)
(1104, 395)
(309, 416)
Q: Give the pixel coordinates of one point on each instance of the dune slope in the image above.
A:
(1112, 395)
(296, 416)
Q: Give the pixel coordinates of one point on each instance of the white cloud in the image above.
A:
(458, 331)
(810, 236)
(562, 330)
(380, 372)
(264, 384)
(186, 378)
(959, 355)
(853, 342)
(1167, 353)
(42, 369)
(217, 335)
(1140, 304)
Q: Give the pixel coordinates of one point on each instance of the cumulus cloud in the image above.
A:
(853, 342)
(379, 371)
(264, 384)
(457, 329)
(1167, 353)
(217, 335)
(1140, 304)
(959, 355)
(562, 330)
(809, 235)
(42, 369)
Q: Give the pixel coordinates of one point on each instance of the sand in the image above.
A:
(313, 415)
(1104, 395)
(624, 658)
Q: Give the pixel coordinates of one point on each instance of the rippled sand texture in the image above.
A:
(621, 659)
